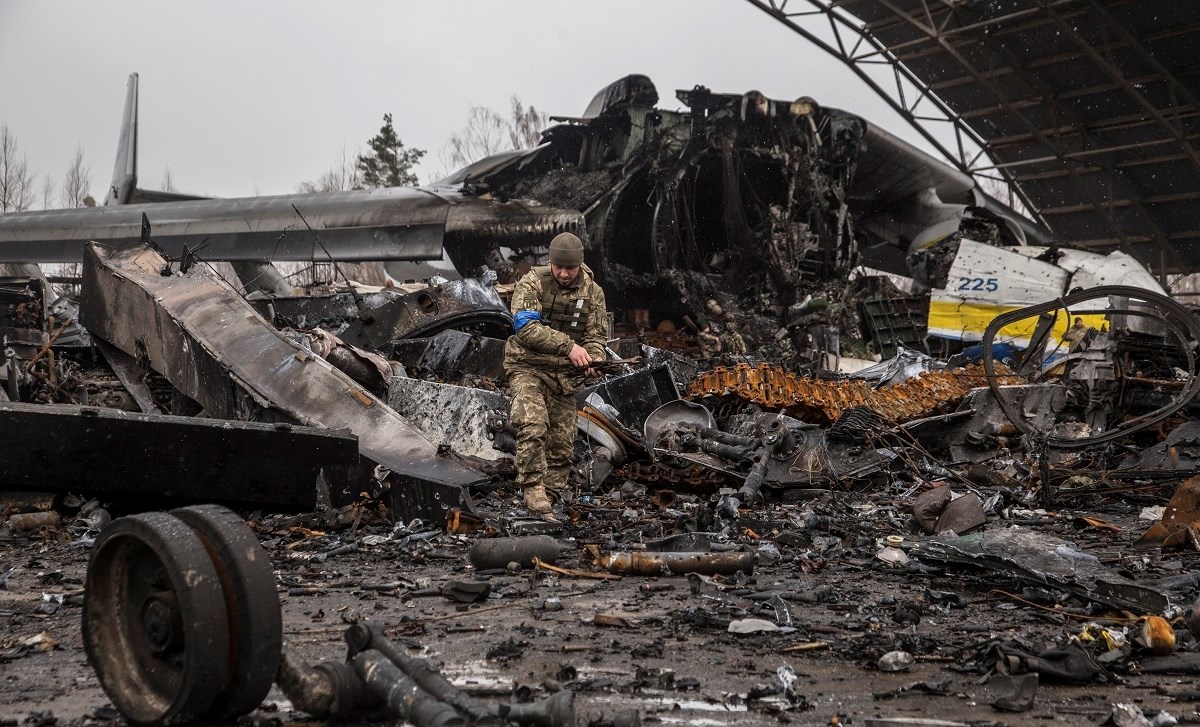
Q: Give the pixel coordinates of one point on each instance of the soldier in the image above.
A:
(732, 341)
(1075, 335)
(709, 342)
(561, 328)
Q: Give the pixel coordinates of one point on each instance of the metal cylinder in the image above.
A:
(401, 693)
(733, 452)
(668, 564)
(753, 483)
(329, 690)
(736, 440)
(492, 553)
(34, 520)
(369, 636)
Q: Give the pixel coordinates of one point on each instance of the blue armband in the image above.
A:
(524, 318)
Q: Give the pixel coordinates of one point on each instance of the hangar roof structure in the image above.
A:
(1089, 109)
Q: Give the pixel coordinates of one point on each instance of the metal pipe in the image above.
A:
(489, 553)
(754, 481)
(365, 636)
(669, 564)
(736, 440)
(330, 690)
(401, 693)
(733, 452)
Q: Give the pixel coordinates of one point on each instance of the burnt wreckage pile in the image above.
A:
(1022, 482)
(892, 516)
(740, 200)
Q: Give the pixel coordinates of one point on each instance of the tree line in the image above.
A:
(21, 191)
(388, 162)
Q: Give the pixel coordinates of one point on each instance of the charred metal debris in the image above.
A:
(763, 490)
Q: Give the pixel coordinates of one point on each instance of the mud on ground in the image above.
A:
(540, 630)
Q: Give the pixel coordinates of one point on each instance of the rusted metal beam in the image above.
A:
(777, 390)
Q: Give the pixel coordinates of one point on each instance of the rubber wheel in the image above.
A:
(252, 606)
(154, 621)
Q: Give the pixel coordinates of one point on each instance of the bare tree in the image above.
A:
(487, 132)
(77, 185)
(525, 125)
(48, 192)
(16, 181)
(484, 134)
(168, 181)
(342, 174)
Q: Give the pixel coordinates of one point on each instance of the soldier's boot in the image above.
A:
(537, 502)
(559, 496)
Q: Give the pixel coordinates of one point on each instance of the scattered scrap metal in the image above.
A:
(734, 480)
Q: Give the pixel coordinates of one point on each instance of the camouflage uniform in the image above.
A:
(732, 342)
(709, 343)
(541, 378)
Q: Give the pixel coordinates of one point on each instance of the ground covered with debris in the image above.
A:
(992, 539)
(827, 629)
(798, 494)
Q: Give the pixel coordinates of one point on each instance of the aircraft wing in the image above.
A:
(380, 224)
(900, 193)
(154, 196)
(891, 170)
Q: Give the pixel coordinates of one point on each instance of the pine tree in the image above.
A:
(390, 164)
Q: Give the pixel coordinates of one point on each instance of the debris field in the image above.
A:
(278, 508)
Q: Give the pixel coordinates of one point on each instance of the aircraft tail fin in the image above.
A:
(124, 189)
(124, 179)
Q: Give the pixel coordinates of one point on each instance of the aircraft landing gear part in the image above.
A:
(181, 619)
(154, 620)
(252, 606)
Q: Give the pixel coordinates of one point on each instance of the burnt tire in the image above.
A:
(154, 623)
(252, 606)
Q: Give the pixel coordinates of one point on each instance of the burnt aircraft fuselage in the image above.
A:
(736, 187)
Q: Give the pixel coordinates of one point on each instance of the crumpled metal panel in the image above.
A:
(635, 395)
(214, 347)
(774, 388)
(118, 454)
(452, 352)
(396, 314)
(459, 417)
(1040, 559)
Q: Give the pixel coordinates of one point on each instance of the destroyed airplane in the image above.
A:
(762, 206)
(766, 206)
(401, 223)
(960, 491)
(683, 212)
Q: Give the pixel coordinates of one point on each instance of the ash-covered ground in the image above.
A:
(662, 646)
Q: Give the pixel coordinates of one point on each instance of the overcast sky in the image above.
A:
(242, 97)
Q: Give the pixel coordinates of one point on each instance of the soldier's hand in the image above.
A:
(592, 373)
(579, 356)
